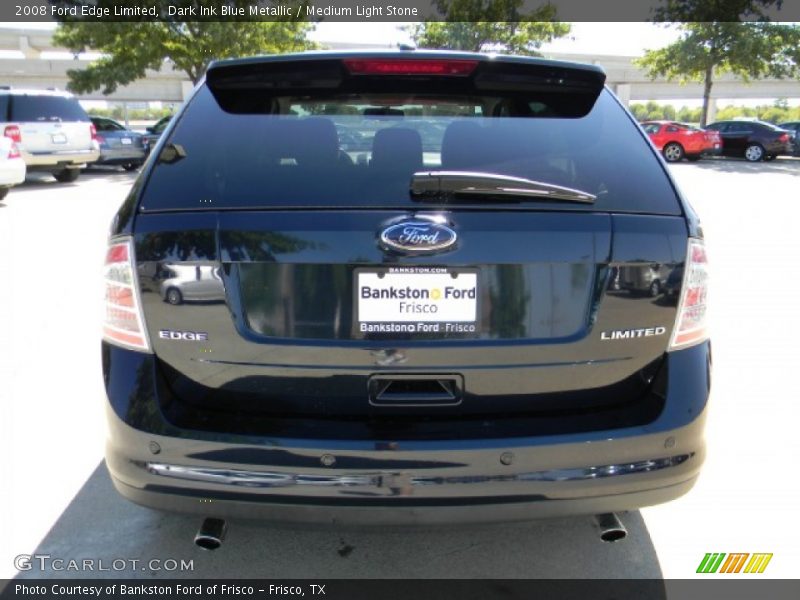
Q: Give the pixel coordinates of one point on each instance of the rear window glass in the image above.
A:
(361, 149)
(46, 108)
(741, 127)
(161, 125)
(107, 125)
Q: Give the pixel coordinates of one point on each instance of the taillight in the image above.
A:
(13, 152)
(382, 66)
(691, 321)
(93, 131)
(784, 137)
(13, 132)
(124, 323)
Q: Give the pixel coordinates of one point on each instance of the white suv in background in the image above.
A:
(51, 129)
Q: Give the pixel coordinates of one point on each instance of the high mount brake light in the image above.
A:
(691, 321)
(124, 322)
(383, 66)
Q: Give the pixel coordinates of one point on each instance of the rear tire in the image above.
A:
(131, 166)
(673, 152)
(174, 296)
(67, 175)
(754, 153)
(4, 192)
(654, 289)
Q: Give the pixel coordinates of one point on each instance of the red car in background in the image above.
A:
(677, 141)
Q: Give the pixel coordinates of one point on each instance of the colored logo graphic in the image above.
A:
(419, 235)
(719, 562)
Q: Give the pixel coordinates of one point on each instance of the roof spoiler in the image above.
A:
(576, 85)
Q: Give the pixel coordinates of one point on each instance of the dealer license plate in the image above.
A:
(416, 300)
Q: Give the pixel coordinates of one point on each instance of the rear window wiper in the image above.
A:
(436, 184)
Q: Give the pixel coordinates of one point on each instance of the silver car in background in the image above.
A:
(187, 282)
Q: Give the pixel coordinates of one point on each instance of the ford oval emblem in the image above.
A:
(418, 235)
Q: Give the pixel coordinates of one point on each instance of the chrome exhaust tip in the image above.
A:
(211, 534)
(611, 528)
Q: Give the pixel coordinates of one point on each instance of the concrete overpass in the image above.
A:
(632, 83)
(628, 81)
(165, 85)
(32, 71)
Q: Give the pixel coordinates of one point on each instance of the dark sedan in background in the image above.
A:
(154, 132)
(753, 140)
(119, 145)
(793, 127)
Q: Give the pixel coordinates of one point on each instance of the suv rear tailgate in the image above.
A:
(284, 343)
(294, 219)
(51, 123)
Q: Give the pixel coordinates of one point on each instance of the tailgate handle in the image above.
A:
(415, 390)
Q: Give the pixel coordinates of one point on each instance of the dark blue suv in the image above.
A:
(418, 328)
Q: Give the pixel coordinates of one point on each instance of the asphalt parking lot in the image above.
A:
(55, 496)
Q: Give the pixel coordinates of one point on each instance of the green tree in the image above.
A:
(654, 110)
(639, 111)
(129, 49)
(688, 115)
(489, 26)
(732, 112)
(781, 103)
(707, 48)
(773, 114)
(707, 11)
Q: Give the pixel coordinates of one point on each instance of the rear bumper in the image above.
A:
(335, 512)
(119, 156)
(435, 485)
(57, 160)
(386, 482)
(779, 149)
(12, 172)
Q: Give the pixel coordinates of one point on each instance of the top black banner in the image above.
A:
(398, 10)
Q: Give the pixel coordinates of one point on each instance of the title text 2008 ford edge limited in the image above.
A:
(383, 288)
